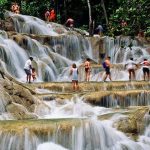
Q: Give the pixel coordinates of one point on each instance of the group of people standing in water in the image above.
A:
(130, 65)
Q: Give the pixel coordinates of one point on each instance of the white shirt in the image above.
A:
(28, 64)
(130, 64)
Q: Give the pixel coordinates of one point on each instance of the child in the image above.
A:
(33, 74)
(74, 73)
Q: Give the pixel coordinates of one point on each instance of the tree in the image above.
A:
(104, 9)
(91, 22)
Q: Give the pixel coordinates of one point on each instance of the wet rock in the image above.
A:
(134, 123)
(8, 85)
(42, 109)
(7, 24)
(20, 112)
(60, 101)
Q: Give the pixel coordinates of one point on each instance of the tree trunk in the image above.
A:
(65, 8)
(104, 9)
(90, 19)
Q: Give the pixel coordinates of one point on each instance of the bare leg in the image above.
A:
(85, 76)
(133, 72)
(77, 86)
(144, 76)
(110, 77)
(86, 79)
(105, 77)
(130, 75)
(88, 76)
(73, 85)
(29, 78)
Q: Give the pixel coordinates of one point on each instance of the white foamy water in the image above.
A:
(50, 146)
(74, 108)
(52, 64)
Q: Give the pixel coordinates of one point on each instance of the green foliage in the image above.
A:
(3, 2)
(134, 12)
(2, 7)
(84, 27)
(147, 32)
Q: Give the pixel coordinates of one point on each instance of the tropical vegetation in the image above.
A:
(108, 13)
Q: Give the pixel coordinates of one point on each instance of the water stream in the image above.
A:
(52, 62)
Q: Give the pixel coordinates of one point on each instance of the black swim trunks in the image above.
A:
(107, 70)
(28, 72)
(87, 69)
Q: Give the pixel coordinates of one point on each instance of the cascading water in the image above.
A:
(60, 50)
(89, 134)
(52, 58)
(121, 50)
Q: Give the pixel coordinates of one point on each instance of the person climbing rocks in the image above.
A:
(74, 73)
(87, 66)
(15, 8)
(52, 15)
(107, 68)
(70, 22)
(27, 69)
(47, 14)
(130, 65)
(145, 64)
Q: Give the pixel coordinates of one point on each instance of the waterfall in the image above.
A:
(55, 52)
(89, 135)
(53, 55)
(67, 123)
